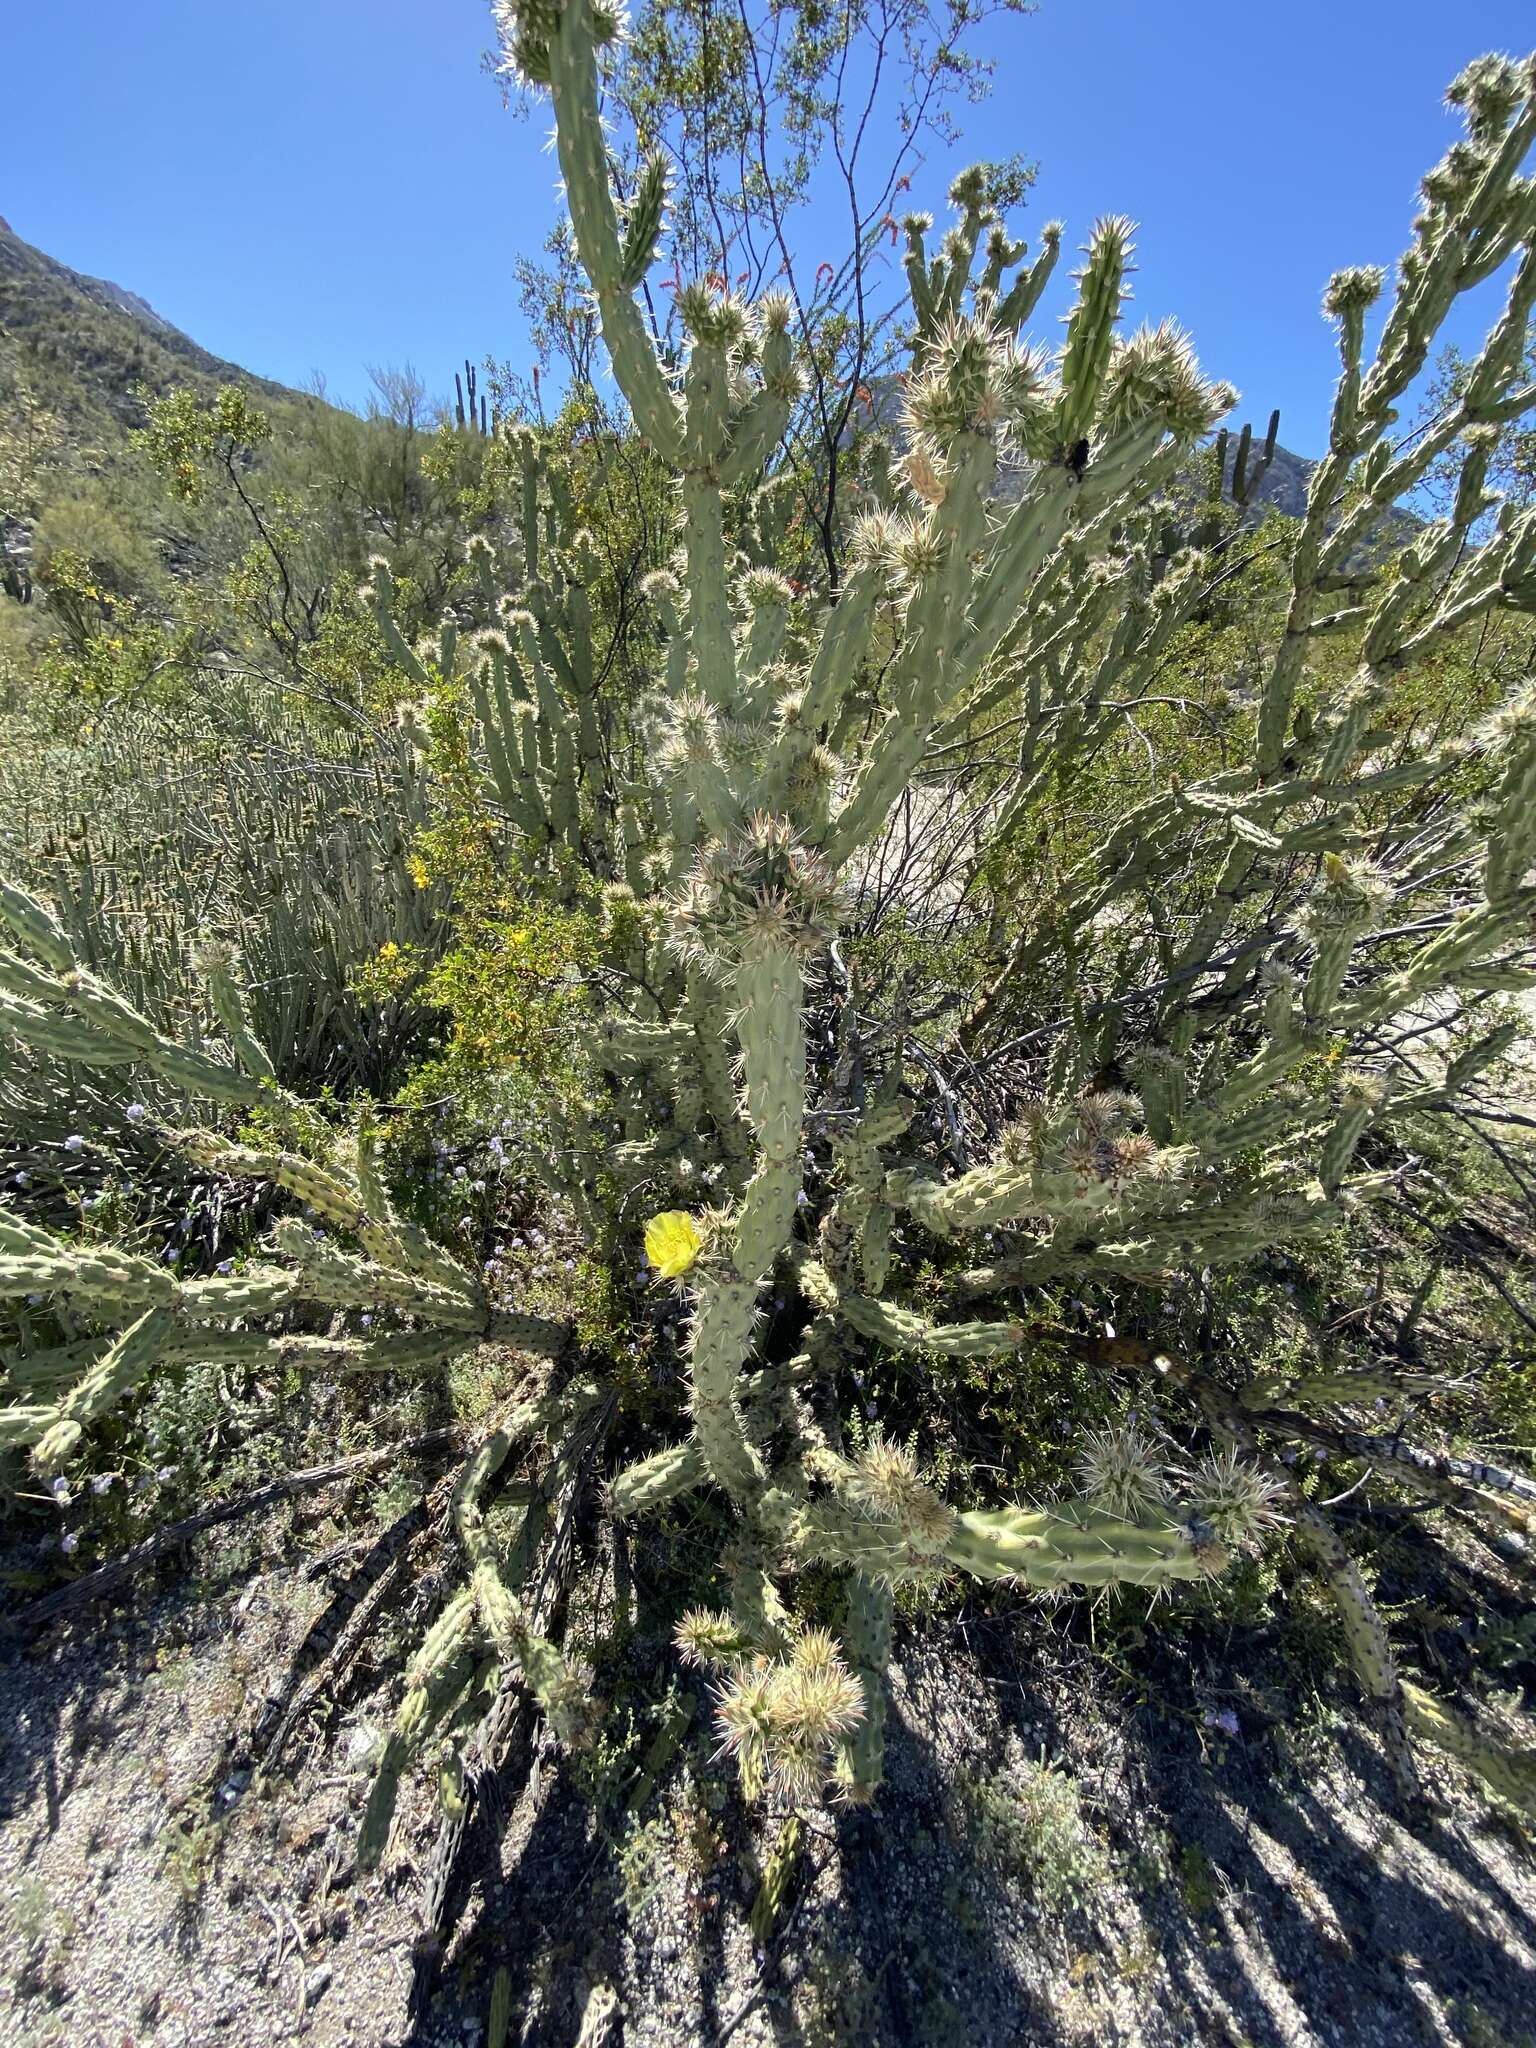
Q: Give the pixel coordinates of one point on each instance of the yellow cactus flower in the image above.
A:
(672, 1243)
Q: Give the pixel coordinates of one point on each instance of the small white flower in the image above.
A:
(59, 1488)
(102, 1482)
(134, 1112)
(74, 1142)
(69, 1543)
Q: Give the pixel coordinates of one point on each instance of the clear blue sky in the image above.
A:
(315, 185)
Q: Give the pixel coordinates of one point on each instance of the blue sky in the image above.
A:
(316, 185)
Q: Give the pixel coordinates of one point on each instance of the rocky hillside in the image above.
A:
(91, 345)
(79, 359)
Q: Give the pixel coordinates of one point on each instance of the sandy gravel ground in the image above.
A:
(1249, 1888)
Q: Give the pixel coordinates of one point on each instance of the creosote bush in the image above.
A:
(1170, 1058)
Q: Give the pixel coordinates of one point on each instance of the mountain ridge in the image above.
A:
(105, 338)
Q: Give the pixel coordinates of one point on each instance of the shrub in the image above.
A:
(1029, 1821)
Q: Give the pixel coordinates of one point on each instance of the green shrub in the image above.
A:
(1028, 1820)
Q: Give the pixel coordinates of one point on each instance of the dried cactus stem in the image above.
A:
(778, 1875)
(1508, 1771)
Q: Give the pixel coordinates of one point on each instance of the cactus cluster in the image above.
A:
(361, 1259)
(1205, 1088)
(293, 849)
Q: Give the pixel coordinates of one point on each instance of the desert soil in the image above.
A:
(1250, 1888)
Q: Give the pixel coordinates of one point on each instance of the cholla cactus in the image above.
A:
(782, 1718)
(395, 1272)
(743, 821)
